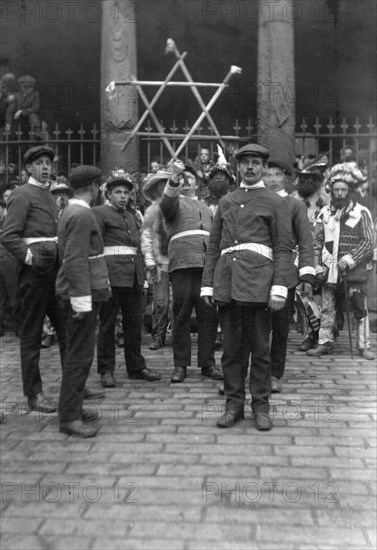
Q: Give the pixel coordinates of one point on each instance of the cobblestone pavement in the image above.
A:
(160, 474)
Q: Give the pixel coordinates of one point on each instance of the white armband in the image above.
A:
(279, 291)
(206, 291)
(81, 304)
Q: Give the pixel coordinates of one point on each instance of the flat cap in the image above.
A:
(35, 152)
(284, 167)
(191, 170)
(253, 149)
(57, 187)
(114, 182)
(83, 175)
(152, 179)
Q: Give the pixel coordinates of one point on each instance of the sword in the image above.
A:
(347, 311)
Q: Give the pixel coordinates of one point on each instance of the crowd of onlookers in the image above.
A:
(159, 228)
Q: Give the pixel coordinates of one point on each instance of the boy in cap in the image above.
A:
(246, 272)
(82, 283)
(154, 246)
(61, 191)
(30, 235)
(343, 245)
(120, 235)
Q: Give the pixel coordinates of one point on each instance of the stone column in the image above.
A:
(276, 79)
(118, 62)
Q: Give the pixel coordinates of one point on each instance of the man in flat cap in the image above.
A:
(29, 233)
(82, 284)
(188, 222)
(247, 274)
(154, 246)
(302, 267)
(25, 105)
(343, 244)
(126, 272)
(61, 192)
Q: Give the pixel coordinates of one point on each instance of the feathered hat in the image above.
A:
(346, 172)
(119, 175)
(152, 180)
(222, 166)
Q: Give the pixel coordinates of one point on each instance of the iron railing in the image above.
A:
(83, 145)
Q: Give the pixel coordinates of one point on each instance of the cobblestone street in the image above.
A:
(161, 475)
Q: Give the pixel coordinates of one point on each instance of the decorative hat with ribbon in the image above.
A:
(347, 173)
(117, 175)
(222, 166)
(152, 180)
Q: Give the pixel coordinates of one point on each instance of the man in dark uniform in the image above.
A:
(126, 271)
(30, 235)
(302, 267)
(188, 223)
(246, 274)
(82, 283)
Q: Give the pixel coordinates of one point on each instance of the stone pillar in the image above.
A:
(118, 62)
(276, 79)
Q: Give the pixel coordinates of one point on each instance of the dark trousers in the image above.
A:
(241, 326)
(37, 298)
(280, 330)
(129, 300)
(186, 284)
(9, 290)
(160, 314)
(79, 357)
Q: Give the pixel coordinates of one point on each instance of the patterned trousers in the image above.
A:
(330, 301)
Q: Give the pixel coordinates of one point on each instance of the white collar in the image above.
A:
(282, 193)
(80, 202)
(255, 186)
(37, 183)
(192, 198)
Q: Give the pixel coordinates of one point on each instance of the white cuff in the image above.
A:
(81, 304)
(29, 257)
(350, 262)
(170, 191)
(319, 269)
(306, 271)
(277, 290)
(206, 291)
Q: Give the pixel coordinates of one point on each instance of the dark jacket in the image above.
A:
(303, 264)
(83, 271)
(31, 213)
(120, 229)
(249, 216)
(185, 214)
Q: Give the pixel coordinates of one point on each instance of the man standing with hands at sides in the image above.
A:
(30, 235)
(121, 238)
(83, 283)
(246, 274)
